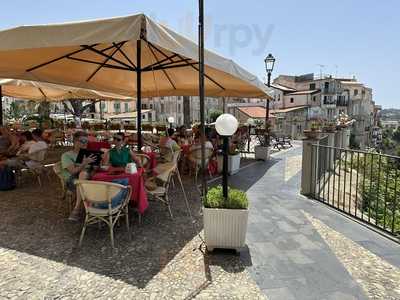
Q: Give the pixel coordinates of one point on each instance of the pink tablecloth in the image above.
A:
(139, 196)
(96, 146)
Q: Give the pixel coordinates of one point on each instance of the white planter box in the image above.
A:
(225, 228)
(262, 153)
(233, 163)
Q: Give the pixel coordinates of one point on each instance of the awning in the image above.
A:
(40, 91)
(107, 54)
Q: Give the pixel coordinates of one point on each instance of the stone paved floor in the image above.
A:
(291, 257)
(165, 259)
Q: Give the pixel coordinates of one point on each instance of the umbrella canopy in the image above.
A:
(40, 91)
(109, 54)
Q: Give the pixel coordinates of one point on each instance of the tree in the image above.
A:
(15, 111)
(396, 135)
(214, 114)
(76, 108)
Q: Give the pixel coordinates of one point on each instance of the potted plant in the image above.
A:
(313, 132)
(262, 151)
(225, 220)
(329, 127)
(233, 160)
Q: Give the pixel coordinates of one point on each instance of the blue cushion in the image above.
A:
(118, 198)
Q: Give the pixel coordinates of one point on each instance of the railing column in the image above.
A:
(330, 154)
(309, 166)
(346, 138)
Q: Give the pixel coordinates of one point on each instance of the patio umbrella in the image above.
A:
(132, 56)
(41, 91)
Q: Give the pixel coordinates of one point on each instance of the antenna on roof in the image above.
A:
(321, 67)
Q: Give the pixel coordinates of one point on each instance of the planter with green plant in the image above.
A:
(225, 220)
(233, 160)
(314, 131)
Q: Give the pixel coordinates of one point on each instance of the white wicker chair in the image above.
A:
(67, 195)
(99, 192)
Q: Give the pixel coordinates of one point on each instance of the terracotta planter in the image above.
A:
(312, 134)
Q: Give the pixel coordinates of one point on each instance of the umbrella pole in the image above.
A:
(201, 94)
(1, 107)
(139, 93)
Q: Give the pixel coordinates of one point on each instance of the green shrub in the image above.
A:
(237, 199)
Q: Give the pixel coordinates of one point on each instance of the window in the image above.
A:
(102, 106)
(291, 100)
(312, 86)
(326, 85)
(117, 107)
(314, 98)
(355, 92)
(162, 108)
(126, 107)
(279, 97)
(179, 108)
(143, 117)
(144, 106)
(151, 106)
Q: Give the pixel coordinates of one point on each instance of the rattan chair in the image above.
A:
(195, 157)
(166, 178)
(39, 169)
(98, 192)
(66, 196)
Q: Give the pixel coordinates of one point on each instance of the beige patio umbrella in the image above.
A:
(132, 56)
(41, 91)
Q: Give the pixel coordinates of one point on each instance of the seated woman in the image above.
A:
(72, 171)
(168, 146)
(120, 155)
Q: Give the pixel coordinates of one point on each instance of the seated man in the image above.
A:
(30, 154)
(72, 171)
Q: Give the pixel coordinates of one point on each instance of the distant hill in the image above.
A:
(390, 114)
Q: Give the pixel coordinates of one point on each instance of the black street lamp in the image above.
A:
(226, 126)
(269, 67)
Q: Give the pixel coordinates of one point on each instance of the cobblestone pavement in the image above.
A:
(379, 279)
(39, 258)
(292, 256)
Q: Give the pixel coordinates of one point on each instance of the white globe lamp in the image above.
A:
(171, 120)
(226, 125)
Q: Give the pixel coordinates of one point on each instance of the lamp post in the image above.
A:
(171, 121)
(269, 67)
(226, 125)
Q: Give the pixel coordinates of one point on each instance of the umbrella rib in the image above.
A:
(165, 72)
(41, 91)
(105, 61)
(192, 65)
(56, 59)
(159, 62)
(105, 55)
(98, 63)
(170, 64)
(126, 56)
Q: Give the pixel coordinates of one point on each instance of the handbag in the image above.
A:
(7, 179)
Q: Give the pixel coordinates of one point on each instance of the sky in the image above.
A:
(342, 37)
